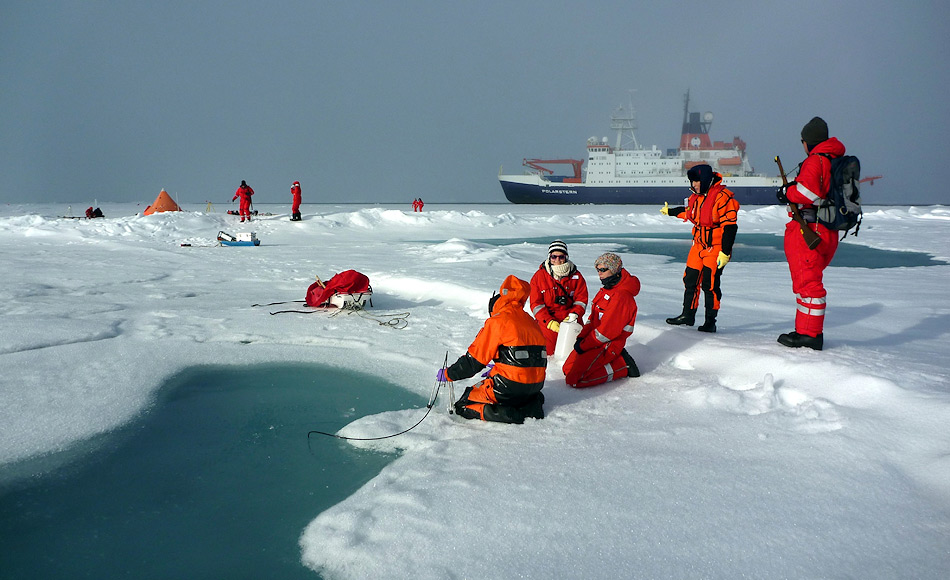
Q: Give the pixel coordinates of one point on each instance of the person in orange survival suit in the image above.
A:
(245, 192)
(599, 354)
(295, 208)
(807, 266)
(512, 341)
(558, 293)
(713, 210)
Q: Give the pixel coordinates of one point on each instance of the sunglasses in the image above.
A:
(603, 269)
(558, 257)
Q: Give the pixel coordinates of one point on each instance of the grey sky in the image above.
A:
(388, 101)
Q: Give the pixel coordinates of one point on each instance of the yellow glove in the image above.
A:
(722, 260)
(554, 326)
(665, 210)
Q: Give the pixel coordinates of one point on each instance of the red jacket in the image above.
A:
(295, 191)
(612, 314)
(545, 291)
(814, 178)
(244, 192)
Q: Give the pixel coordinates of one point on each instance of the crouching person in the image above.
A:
(599, 354)
(512, 341)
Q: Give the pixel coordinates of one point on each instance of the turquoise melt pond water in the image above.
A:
(749, 248)
(217, 479)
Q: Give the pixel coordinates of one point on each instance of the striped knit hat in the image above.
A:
(609, 260)
(557, 246)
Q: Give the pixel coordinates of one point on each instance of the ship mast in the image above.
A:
(625, 125)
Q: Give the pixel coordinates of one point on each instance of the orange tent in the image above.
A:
(163, 202)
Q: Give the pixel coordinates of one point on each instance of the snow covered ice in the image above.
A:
(732, 456)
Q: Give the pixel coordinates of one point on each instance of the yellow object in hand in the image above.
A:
(554, 326)
(665, 210)
(722, 260)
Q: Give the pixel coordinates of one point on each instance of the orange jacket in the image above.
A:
(512, 339)
(711, 213)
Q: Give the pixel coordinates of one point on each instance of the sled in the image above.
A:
(242, 239)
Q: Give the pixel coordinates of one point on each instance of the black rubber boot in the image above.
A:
(710, 324)
(688, 318)
(632, 370)
(796, 340)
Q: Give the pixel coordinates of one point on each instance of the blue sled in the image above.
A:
(227, 243)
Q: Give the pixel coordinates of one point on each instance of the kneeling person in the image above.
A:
(599, 354)
(510, 339)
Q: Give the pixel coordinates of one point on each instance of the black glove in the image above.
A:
(780, 194)
(577, 346)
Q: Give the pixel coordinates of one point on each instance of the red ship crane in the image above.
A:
(576, 163)
(870, 180)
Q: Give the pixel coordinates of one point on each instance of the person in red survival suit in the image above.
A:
(599, 354)
(512, 341)
(807, 266)
(713, 210)
(346, 282)
(558, 293)
(245, 192)
(295, 208)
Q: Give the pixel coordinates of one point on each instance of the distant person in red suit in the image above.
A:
(244, 192)
(295, 209)
(420, 204)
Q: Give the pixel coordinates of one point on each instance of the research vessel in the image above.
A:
(627, 173)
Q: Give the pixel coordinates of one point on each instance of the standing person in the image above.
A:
(713, 210)
(421, 203)
(513, 344)
(558, 293)
(807, 266)
(295, 208)
(599, 354)
(415, 204)
(245, 192)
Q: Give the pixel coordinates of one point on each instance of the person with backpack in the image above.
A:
(512, 346)
(809, 190)
(558, 293)
(295, 208)
(713, 210)
(245, 192)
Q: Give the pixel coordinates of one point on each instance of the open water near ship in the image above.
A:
(748, 248)
(217, 479)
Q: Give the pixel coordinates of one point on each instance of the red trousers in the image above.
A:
(807, 267)
(245, 208)
(596, 366)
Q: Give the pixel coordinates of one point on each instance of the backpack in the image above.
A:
(841, 210)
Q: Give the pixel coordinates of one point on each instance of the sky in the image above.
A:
(731, 456)
(385, 102)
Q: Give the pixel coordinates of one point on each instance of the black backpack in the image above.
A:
(841, 210)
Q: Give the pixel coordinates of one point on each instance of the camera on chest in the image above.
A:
(562, 300)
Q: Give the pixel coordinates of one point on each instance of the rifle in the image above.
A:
(812, 239)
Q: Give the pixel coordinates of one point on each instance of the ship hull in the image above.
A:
(535, 190)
